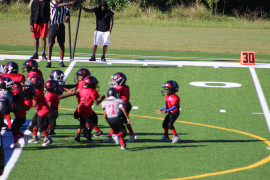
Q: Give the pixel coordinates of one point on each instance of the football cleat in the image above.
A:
(132, 138)
(115, 138)
(34, 140)
(123, 147)
(35, 56)
(103, 59)
(164, 139)
(44, 57)
(98, 134)
(47, 141)
(15, 145)
(77, 138)
(93, 58)
(176, 139)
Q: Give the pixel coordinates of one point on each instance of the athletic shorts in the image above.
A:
(40, 30)
(57, 30)
(102, 38)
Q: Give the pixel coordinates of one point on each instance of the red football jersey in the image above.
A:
(33, 73)
(53, 98)
(18, 79)
(87, 97)
(79, 86)
(124, 92)
(172, 100)
(27, 103)
(41, 107)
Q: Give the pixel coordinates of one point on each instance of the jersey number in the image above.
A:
(111, 109)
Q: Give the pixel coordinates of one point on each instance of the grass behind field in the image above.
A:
(203, 149)
(157, 38)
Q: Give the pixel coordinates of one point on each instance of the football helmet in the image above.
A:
(3, 69)
(53, 87)
(58, 76)
(171, 85)
(35, 81)
(82, 72)
(9, 83)
(12, 67)
(113, 92)
(118, 79)
(90, 82)
(30, 65)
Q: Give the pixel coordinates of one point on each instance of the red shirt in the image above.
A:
(79, 86)
(53, 99)
(87, 97)
(41, 107)
(124, 92)
(27, 103)
(33, 73)
(172, 100)
(18, 79)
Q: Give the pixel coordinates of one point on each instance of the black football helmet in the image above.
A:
(30, 65)
(53, 87)
(113, 92)
(35, 81)
(12, 67)
(171, 85)
(90, 82)
(82, 72)
(9, 83)
(118, 79)
(58, 76)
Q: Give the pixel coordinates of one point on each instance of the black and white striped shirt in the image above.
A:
(58, 14)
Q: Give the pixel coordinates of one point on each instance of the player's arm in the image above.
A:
(163, 109)
(34, 103)
(88, 10)
(105, 116)
(97, 102)
(125, 113)
(68, 94)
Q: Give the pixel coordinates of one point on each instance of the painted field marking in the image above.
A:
(251, 166)
(261, 96)
(69, 69)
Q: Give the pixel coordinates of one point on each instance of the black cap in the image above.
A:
(103, 3)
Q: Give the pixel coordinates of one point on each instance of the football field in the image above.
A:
(224, 125)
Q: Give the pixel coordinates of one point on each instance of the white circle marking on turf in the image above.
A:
(210, 84)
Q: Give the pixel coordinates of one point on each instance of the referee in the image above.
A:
(58, 16)
(104, 25)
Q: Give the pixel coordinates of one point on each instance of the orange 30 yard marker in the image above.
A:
(247, 58)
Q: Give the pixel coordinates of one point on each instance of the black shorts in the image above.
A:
(57, 30)
(170, 119)
(117, 125)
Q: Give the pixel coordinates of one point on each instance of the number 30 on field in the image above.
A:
(247, 58)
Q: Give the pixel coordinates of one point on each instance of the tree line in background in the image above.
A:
(259, 8)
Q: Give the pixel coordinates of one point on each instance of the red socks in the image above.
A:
(96, 128)
(130, 129)
(174, 132)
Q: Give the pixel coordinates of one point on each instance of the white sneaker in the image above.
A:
(132, 138)
(47, 141)
(123, 147)
(164, 139)
(175, 139)
(39, 136)
(115, 138)
(108, 140)
(34, 140)
(25, 138)
(15, 145)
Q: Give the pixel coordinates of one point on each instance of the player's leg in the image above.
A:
(94, 120)
(173, 118)
(165, 137)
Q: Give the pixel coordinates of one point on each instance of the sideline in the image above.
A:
(251, 166)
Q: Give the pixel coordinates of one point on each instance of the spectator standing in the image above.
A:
(39, 18)
(104, 25)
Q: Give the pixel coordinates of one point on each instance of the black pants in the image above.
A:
(91, 120)
(117, 125)
(53, 115)
(17, 123)
(170, 119)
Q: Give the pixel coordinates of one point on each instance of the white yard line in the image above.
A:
(261, 96)
(69, 69)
